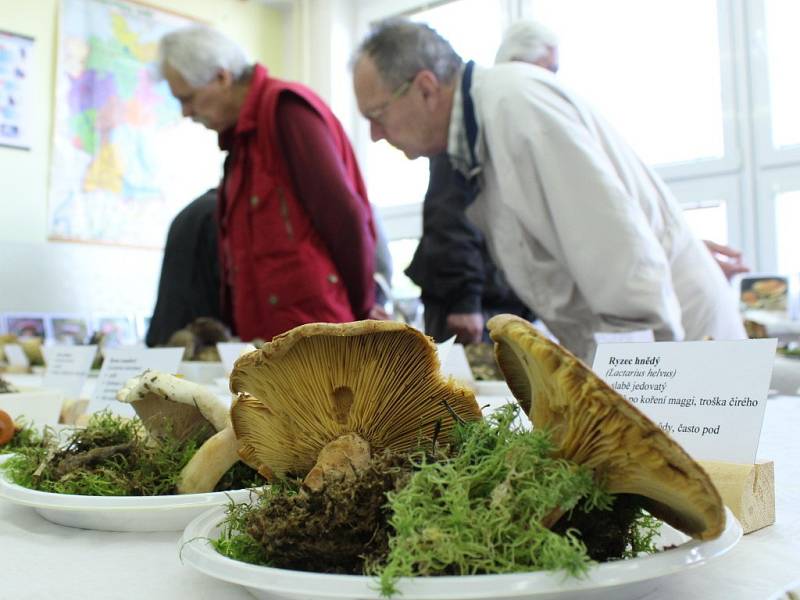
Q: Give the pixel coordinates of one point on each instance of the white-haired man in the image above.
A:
(296, 233)
(587, 235)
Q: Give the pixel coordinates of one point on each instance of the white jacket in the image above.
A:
(587, 235)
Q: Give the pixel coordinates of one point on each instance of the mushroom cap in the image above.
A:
(307, 387)
(594, 426)
(164, 401)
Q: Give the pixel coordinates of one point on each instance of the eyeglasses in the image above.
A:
(376, 115)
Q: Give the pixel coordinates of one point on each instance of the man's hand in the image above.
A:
(467, 327)
(728, 259)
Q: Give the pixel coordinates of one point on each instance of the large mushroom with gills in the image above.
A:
(592, 425)
(320, 399)
(169, 405)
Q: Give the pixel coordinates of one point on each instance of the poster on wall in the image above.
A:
(15, 95)
(124, 160)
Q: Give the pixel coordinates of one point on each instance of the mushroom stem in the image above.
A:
(209, 463)
(338, 460)
(552, 517)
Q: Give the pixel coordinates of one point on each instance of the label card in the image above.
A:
(709, 396)
(67, 368)
(121, 364)
(230, 351)
(16, 356)
(455, 363)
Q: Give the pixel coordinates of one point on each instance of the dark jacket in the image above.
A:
(189, 284)
(451, 264)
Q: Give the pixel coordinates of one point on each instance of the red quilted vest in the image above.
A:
(276, 272)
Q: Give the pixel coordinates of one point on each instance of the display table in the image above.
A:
(40, 560)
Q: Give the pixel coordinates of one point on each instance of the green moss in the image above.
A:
(482, 511)
(112, 456)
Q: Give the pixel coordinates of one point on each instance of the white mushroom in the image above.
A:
(168, 404)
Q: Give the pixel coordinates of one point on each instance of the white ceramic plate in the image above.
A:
(621, 580)
(117, 513)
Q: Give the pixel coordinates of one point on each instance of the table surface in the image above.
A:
(41, 560)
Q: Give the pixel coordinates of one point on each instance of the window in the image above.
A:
(651, 68)
(783, 51)
(787, 219)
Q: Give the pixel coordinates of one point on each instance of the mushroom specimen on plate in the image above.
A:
(170, 405)
(594, 426)
(321, 399)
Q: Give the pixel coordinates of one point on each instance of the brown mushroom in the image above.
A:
(320, 398)
(168, 404)
(594, 426)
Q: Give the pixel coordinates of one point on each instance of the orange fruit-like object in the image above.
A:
(7, 429)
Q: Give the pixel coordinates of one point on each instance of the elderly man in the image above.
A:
(460, 286)
(587, 235)
(296, 235)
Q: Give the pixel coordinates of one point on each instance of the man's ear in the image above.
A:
(224, 77)
(429, 86)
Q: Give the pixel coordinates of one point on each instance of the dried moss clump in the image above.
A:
(331, 531)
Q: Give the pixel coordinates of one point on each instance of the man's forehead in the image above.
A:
(175, 80)
(367, 78)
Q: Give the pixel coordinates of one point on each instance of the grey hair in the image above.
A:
(198, 53)
(401, 48)
(527, 41)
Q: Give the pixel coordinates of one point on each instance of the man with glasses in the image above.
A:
(296, 232)
(587, 235)
(460, 286)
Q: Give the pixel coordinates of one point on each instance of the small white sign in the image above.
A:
(16, 356)
(67, 368)
(455, 363)
(708, 396)
(443, 350)
(121, 364)
(230, 351)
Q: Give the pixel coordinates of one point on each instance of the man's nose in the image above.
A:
(376, 132)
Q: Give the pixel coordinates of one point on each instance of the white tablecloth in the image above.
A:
(43, 561)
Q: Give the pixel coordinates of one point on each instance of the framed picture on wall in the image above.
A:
(27, 325)
(16, 102)
(69, 330)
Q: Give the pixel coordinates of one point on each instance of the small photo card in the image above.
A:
(27, 325)
(770, 292)
(114, 330)
(709, 396)
(69, 330)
